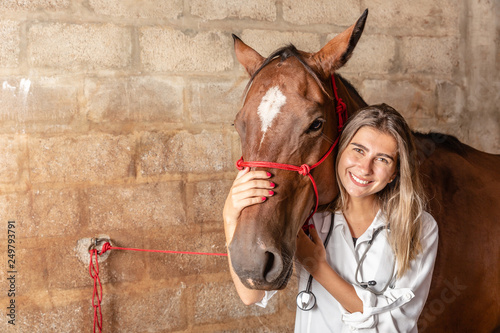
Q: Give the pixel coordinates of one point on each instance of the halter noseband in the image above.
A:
(304, 169)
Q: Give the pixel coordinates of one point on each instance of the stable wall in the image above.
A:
(115, 119)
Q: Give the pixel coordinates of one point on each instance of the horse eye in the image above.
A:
(316, 125)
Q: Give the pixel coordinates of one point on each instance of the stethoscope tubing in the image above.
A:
(366, 285)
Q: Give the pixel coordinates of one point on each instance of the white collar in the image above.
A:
(340, 222)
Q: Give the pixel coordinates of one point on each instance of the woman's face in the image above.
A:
(368, 163)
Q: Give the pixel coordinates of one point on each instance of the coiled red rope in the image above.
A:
(94, 274)
(97, 294)
(304, 169)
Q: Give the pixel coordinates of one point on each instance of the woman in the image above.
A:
(375, 272)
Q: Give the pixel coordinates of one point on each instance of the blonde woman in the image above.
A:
(375, 272)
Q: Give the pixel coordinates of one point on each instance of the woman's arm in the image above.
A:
(248, 296)
(249, 188)
(312, 255)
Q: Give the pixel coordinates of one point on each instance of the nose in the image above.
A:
(257, 265)
(365, 166)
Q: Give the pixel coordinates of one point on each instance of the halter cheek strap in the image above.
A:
(304, 169)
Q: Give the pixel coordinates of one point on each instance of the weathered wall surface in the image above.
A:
(115, 118)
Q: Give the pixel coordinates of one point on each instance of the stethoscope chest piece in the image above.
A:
(306, 300)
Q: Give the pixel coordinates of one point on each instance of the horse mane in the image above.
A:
(445, 141)
(284, 53)
(353, 92)
(291, 51)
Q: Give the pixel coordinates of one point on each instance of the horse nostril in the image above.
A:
(261, 270)
(269, 263)
(273, 267)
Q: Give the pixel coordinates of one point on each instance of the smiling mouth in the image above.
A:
(358, 180)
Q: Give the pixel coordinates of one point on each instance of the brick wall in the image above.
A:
(115, 119)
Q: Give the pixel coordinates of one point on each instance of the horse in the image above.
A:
(289, 96)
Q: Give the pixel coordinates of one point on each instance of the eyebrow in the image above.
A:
(365, 148)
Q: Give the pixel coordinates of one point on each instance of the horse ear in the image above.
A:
(248, 57)
(336, 53)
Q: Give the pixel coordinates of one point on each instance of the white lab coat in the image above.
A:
(397, 309)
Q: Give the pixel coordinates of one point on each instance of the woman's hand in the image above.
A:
(312, 256)
(310, 252)
(249, 188)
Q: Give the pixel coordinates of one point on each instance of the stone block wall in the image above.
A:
(115, 119)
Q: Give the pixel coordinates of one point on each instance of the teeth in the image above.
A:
(364, 182)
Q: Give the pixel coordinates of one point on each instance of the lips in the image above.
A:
(359, 181)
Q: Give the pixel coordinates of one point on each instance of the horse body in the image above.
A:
(288, 93)
(464, 190)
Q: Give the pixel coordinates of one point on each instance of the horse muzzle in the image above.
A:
(259, 266)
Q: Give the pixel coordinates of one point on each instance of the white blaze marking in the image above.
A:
(269, 108)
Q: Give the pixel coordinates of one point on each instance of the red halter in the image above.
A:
(304, 169)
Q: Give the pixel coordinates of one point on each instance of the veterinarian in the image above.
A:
(375, 271)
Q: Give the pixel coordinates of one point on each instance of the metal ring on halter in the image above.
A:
(305, 299)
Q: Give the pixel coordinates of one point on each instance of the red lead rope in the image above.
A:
(94, 273)
(106, 246)
(304, 169)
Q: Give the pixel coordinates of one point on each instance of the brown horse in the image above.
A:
(289, 97)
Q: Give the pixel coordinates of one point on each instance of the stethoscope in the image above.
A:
(371, 283)
(306, 299)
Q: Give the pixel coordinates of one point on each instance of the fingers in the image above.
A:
(241, 173)
(314, 235)
(246, 181)
(249, 188)
(239, 205)
(251, 196)
(301, 234)
(303, 241)
(245, 175)
(310, 252)
(253, 188)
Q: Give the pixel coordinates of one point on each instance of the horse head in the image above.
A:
(288, 116)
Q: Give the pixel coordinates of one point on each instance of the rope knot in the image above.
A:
(304, 170)
(341, 111)
(105, 247)
(341, 106)
(239, 164)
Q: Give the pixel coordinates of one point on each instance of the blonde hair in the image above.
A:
(403, 200)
